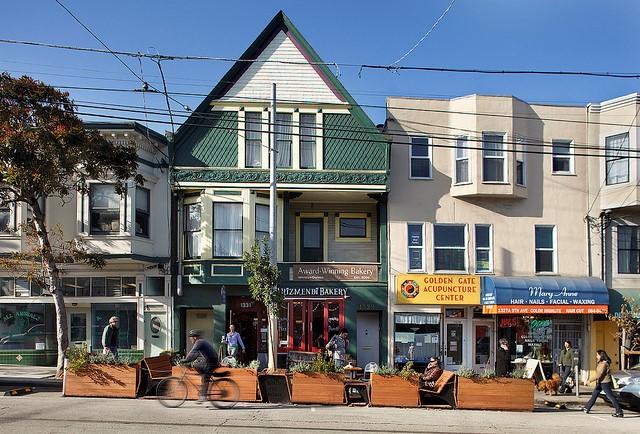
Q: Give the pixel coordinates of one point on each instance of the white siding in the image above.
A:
(293, 81)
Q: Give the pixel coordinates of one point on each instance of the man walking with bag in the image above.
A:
(567, 364)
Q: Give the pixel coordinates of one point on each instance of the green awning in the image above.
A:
(617, 296)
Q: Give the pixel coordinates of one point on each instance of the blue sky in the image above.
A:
(583, 35)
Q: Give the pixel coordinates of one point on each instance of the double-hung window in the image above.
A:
(449, 247)
(562, 156)
(545, 249)
(628, 249)
(484, 246)
(262, 224)
(253, 139)
(283, 139)
(104, 209)
(617, 159)
(143, 207)
(227, 229)
(462, 160)
(5, 220)
(415, 245)
(192, 227)
(420, 158)
(308, 134)
(521, 169)
(493, 158)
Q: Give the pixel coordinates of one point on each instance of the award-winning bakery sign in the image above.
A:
(335, 272)
(437, 289)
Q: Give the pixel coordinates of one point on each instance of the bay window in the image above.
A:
(192, 227)
(104, 209)
(493, 158)
(628, 249)
(462, 160)
(143, 205)
(308, 141)
(617, 159)
(227, 229)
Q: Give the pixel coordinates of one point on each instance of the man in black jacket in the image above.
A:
(205, 358)
(503, 359)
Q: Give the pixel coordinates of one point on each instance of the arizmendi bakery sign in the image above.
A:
(313, 292)
(335, 272)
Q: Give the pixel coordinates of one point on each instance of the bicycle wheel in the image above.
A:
(172, 392)
(224, 393)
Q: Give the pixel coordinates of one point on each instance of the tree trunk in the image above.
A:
(272, 340)
(52, 274)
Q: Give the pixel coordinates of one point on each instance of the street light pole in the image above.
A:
(273, 245)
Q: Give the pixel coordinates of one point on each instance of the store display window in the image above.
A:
(128, 332)
(27, 327)
(416, 337)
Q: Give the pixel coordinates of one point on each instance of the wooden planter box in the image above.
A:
(246, 379)
(394, 391)
(495, 394)
(317, 388)
(111, 381)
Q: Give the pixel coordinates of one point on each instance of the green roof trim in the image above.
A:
(363, 150)
(211, 142)
(186, 138)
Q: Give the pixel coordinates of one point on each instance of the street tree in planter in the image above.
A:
(45, 152)
(628, 322)
(263, 286)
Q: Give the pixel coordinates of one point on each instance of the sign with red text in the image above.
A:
(438, 289)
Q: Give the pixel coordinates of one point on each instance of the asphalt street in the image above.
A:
(48, 412)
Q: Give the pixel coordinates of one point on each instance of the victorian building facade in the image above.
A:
(129, 230)
(332, 182)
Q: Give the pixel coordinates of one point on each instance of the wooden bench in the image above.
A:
(153, 369)
(444, 389)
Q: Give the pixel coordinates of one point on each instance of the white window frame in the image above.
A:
(568, 156)
(466, 249)
(489, 249)
(256, 232)
(466, 156)
(503, 157)
(185, 231)
(521, 157)
(143, 213)
(246, 138)
(420, 248)
(308, 139)
(607, 158)
(617, 249)
(214, 230)
(421, 157)
(122, 218)
(554, 249)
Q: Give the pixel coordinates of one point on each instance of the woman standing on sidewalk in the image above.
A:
(603, 382)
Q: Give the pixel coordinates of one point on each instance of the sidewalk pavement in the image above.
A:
(568, 399)
(40, 377)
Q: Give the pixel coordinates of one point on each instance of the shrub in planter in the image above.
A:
(393, 388)
(317, 382)
(97, 375)
(485, 391)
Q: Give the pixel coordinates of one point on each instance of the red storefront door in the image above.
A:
(313, 322)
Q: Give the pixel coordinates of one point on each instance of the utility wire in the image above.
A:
(378, 106)
(622, 75)
(109, 50)
(425, 35)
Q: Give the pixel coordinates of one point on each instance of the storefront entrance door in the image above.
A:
(78, 320)
(454, 344)
(483, 345)
(313, 323)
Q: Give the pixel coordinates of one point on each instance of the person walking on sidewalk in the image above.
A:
(503, 359)
(110, 337)
(603, 382)
(567, 364)
(338, 345)
(233, 341)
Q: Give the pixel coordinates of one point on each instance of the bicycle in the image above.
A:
(222, 392)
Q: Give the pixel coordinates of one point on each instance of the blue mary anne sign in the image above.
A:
(578, 291)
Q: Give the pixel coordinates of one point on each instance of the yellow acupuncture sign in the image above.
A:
(438, 289)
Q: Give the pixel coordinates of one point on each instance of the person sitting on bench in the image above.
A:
(432, 372)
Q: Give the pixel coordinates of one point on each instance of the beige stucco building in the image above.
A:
(490, 188)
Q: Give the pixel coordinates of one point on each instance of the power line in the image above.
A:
(425, 35)
(621, 75)
(109, 50)
(388, 107)
(519, 140)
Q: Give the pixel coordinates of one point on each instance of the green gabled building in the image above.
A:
(333, 178)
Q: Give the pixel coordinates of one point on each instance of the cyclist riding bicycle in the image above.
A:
(203, 359)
